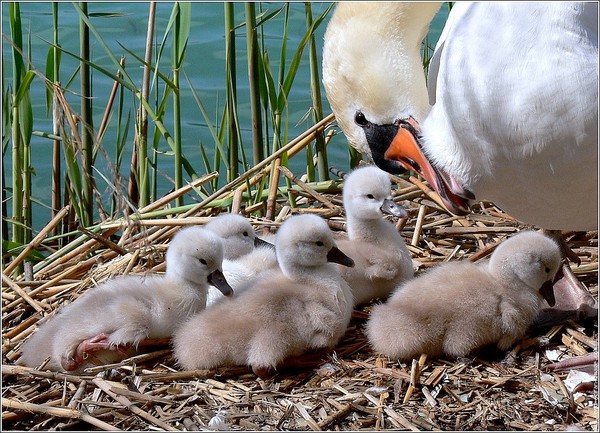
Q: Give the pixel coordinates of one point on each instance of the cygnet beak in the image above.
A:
(547, 292)
(391, 208)
(335, 255)
(258, 242)
(218, 280)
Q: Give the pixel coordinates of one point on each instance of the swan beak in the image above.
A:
(391, 208)
(405, 149)
(218, 280)
(547, 292)
(335, 255)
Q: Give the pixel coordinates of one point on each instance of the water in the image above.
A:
(204, 65)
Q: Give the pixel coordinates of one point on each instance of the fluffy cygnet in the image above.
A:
(456, 308)
(381, 258)
(125, 310)
(304, 306)
(245, 255)
(236, 233)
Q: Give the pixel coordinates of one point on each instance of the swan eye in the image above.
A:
(203, 262)
(371, 196)
(319, 243)
(360, 119)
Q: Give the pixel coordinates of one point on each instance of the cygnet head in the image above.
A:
(530, 259)
(306, 241)
(236, 232)
(196, 255)
(367, 194)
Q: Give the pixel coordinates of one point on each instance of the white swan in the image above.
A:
(511, 114)
(458, 307)
(125, 310)
(381, 258)
(304, 307)
(513, 89)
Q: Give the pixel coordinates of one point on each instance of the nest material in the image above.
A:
(351, 388)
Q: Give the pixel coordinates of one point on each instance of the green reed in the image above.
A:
(147, 96)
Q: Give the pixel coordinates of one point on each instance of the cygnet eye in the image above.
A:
(203, 262)
(360, 119)
(547, 269)
(371, 196)
(319, 243)
(245, 234)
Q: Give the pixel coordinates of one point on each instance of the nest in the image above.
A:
(349, 388)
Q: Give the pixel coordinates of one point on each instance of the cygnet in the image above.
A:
(245, 255)
(382, 260)
(459, 307)
(123, 311)
(303, 307)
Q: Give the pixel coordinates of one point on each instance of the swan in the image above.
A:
(509, 115)
(305, 306)
(381, 258)
(124, 310)
(245, 255)
(458, 307)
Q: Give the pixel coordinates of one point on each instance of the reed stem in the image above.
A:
(144, 180)
(230, 73)
(317, 104)
(87, 139)
(56, 159)
(253, 71)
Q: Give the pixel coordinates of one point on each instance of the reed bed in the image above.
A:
(349, 388)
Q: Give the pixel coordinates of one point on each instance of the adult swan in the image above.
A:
(510, 112)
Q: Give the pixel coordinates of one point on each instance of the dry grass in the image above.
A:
(352, 388)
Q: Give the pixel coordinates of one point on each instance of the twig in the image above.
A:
(14, 287)
(108, 389)
(418, 225)
(37, 240)
(102, 240)
(291, 176)
(62, 412)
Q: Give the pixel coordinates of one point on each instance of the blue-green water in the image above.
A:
(204, 65)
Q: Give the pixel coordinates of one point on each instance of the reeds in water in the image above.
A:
(78, 135)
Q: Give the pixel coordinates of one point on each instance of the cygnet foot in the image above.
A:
(306, 361)
(263, 372)
(91, 345)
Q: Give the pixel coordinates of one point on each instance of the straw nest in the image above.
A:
(351, 388)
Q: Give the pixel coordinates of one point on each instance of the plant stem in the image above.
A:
(230, 72)
(253, 53)
(315, 93)
(144, 186)
(17, 151)
(87, 140)
(56, 163)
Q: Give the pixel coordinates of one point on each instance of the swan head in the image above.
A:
(528, 259)
(367, 194)
(306, 241)
(196, 255)
(375, 84)
(372, 68)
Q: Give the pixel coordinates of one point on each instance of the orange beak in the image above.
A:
(405, 149)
